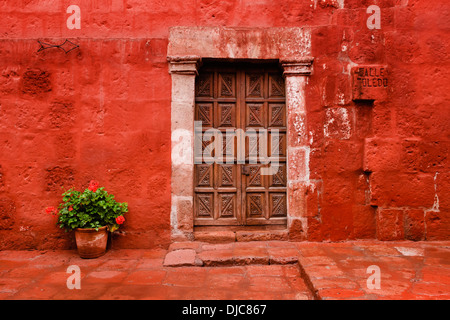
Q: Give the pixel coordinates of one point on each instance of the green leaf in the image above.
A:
(90, 209)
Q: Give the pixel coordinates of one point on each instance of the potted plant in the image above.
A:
(91, 213)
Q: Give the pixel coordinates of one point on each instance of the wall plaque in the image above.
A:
(370, 82)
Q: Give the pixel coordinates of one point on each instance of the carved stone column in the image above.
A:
(183, 71)
(296, 72)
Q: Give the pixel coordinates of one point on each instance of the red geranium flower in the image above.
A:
(120, 220)
(51, 210)
(70, 208)
(93, 185)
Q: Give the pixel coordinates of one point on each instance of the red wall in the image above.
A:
(102, 111)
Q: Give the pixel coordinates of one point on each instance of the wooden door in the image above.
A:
(250, 101)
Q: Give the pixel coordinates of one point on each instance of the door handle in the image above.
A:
(246, 170)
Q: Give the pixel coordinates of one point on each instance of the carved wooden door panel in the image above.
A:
(249, 101)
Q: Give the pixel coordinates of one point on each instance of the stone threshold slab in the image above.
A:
(240, 236)
(196, 253)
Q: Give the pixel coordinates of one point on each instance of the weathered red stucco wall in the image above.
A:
(102, 111)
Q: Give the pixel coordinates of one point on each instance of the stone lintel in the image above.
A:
(240, 43)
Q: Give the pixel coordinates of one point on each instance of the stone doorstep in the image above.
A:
(182, 254)
(240, 236)
(182, 258)
(264, 253)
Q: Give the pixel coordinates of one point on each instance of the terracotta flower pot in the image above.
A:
(90, 242)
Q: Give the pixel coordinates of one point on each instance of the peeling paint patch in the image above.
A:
(300, 127)
(337, 124)
(341, 98)
(410, 252)
(435, 207)
(338, 4)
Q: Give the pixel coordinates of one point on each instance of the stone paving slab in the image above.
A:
(407, 270)
(140, 274)
(269, 270)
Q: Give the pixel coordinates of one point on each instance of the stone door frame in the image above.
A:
(186, 49)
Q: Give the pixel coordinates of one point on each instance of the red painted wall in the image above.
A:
(102, 111)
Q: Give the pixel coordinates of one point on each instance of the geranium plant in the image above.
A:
(92, 208)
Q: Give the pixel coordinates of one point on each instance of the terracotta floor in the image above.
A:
(248, 270)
